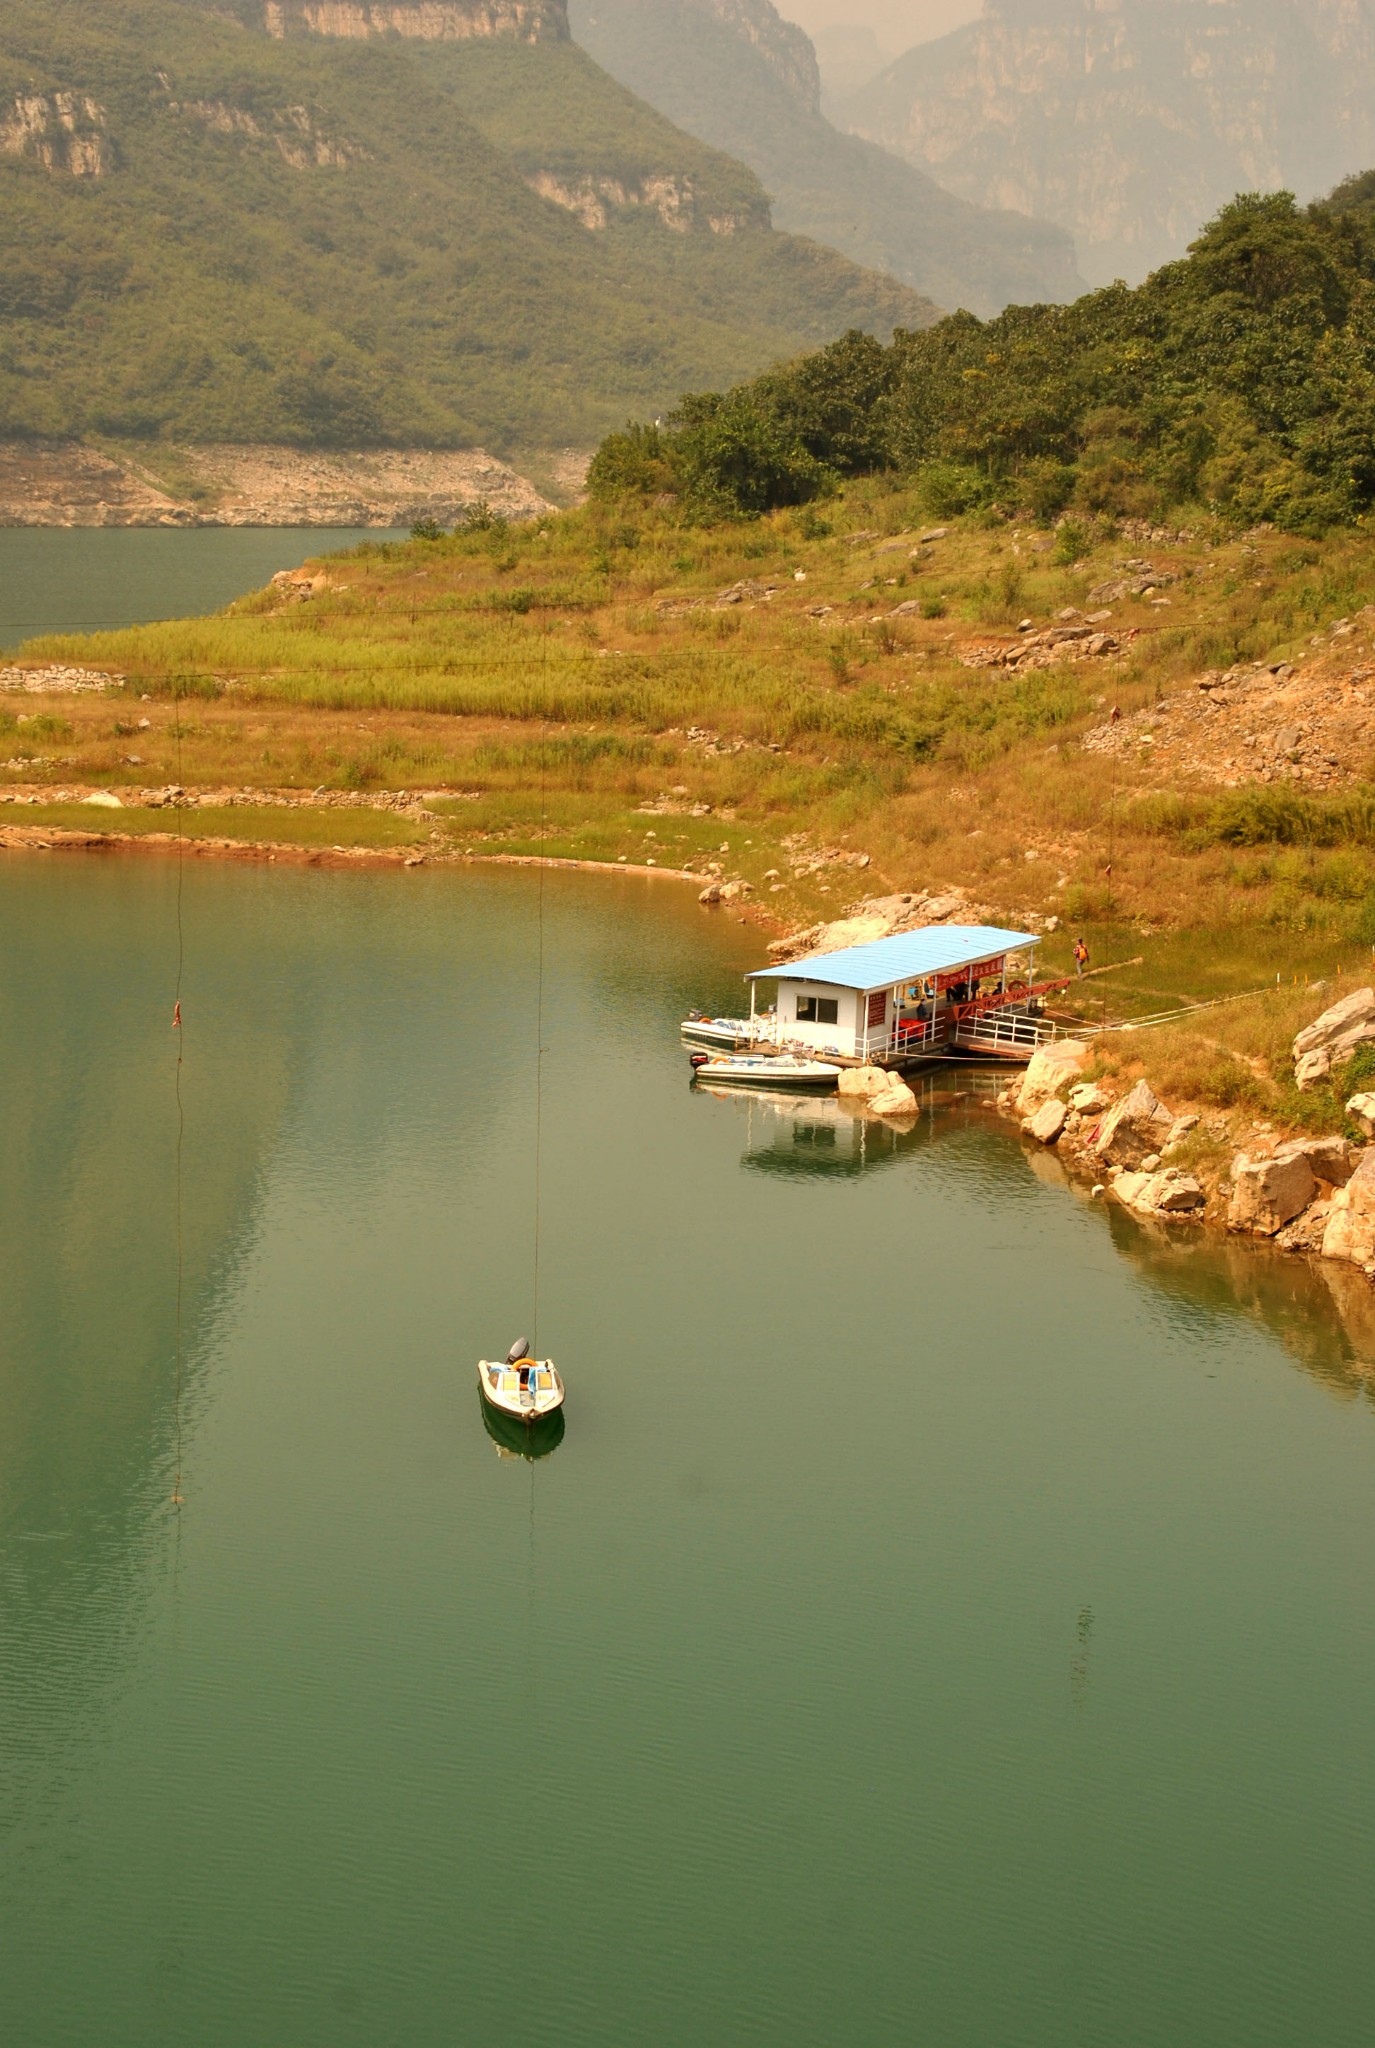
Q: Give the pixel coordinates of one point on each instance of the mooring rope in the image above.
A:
(539, 997)
(178, 1027)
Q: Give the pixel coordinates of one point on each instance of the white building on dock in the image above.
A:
(946, 990)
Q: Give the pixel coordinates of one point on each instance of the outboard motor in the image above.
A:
(699, 1059)
(519, 1350)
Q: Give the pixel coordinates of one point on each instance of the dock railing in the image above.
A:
(908, 1038)
(1005, 1033)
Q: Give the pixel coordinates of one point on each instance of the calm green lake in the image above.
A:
(949, 1616)
(84, 579)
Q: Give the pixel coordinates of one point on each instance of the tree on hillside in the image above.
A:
(1240, 379)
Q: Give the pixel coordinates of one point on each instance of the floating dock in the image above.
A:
(963, 992)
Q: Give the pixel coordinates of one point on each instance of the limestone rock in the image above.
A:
(1268, 1193)
(1361, 1110)
(1050, 1068)
(1169, 1193)
(862, 1081)
(1089, 1099)
(1338, 1031)
(1176, 1194)
(1311, 1069)
(1135, 1128)
(1350, 1232)
(1048, 1122)
(896, 1099)
(1329, 1159)
(711, 894)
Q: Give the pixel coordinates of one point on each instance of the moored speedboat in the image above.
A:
(730, 1032)
(527, 1389)
(764, 1070)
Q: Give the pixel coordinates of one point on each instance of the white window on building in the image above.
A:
(818, 1010)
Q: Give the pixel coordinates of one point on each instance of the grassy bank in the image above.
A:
(749, 696)
(336, 830)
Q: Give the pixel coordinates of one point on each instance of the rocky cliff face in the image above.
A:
(434, 21)
(784, 48)
(1129, 122)
(595, 201)
(66, 132)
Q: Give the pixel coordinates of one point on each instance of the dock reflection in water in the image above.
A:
(1321, 1313)
(839, 1137)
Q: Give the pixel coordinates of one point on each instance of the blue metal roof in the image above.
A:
(935, 949)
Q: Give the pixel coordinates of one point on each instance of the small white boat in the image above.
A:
(764, 1070)
(525, 1388)
(730, 1032)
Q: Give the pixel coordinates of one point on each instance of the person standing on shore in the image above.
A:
(1081, 957)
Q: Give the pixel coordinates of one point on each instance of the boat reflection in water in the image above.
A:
(838, 1137)
(516, 1439)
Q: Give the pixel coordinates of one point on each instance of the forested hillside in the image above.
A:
(283, 226)
(1240, 382)
(736, 75)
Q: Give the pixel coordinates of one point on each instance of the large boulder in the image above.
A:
(1330, 1160)
(1268, 1193)
(1048, 1123)
(1170, 1193)
(863, 1082)
(1051, 1069)
(1134, 1128)
(896, 1099)
(1350, 1232)
(1333, 1037)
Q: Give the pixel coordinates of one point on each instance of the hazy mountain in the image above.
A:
(1131, 121)
(898, 24)
(364, 221)
(849, 56)
(737, 75)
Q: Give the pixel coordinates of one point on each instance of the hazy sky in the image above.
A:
(897, 23)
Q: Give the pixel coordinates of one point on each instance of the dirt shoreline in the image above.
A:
(161, 484)
(68, 839)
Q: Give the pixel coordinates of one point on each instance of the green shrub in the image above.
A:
(1072, 543)
(949, 489)
(1046, 486)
